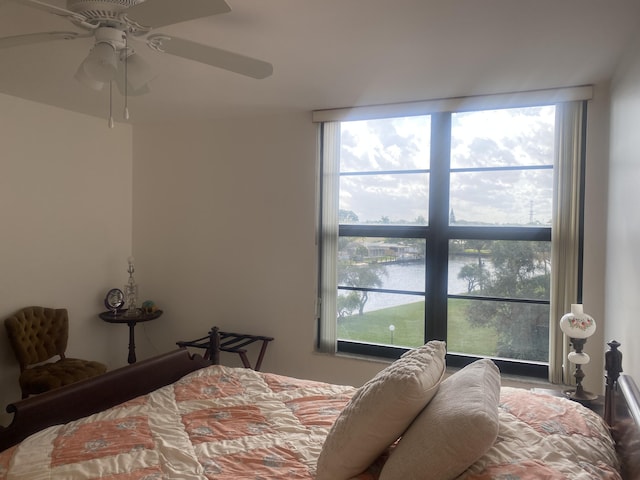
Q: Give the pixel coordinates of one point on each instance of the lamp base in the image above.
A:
(580, 395)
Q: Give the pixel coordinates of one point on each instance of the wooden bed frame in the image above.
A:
(95, 394)
(622, 399)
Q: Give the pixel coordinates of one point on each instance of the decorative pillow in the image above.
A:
(457, 427)
(380, 411)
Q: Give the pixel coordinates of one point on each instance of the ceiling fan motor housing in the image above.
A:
(113, 36)
(105, 12)
(108, 5)
(94, 14)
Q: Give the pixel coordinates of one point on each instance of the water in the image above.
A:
(411, 276)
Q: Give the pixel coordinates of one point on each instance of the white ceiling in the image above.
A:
(337, 53)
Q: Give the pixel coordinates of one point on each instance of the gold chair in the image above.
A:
(37, 334)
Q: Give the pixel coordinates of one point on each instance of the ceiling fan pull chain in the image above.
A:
(110, 103)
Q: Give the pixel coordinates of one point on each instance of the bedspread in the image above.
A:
(216, 423)
(545, 437)
(224, 423)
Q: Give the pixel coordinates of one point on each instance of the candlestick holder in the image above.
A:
(131, 291)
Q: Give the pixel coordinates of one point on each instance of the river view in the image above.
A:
(410, 276)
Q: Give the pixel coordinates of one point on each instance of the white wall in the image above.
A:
(623, 252)
(595, 212)
(65, 216)
(224, 217)
(224, 235)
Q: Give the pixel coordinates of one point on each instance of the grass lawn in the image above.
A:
(408, 321)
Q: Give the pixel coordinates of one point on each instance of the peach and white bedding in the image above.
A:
(544, 437)
(224, 423)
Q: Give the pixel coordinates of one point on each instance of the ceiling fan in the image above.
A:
(112, 23)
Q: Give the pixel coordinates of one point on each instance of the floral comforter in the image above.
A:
(544, 437)
(224, 423)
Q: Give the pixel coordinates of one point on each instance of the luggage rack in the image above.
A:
(230, 342)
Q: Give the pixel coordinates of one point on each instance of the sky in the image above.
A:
(497, 138)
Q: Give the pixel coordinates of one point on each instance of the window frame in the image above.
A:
(437, 234)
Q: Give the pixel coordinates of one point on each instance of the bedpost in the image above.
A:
(613, 366)
(214, 346)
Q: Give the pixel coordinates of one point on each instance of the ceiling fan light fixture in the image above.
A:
(82, 77)
(138, 72)
(102, 63)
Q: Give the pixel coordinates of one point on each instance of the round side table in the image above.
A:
(120, 316)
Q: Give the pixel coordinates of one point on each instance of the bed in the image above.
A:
(178, 416)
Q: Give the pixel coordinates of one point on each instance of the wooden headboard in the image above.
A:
(95, 394)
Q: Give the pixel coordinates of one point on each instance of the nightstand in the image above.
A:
(120, 316)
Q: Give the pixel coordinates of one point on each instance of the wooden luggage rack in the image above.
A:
(229, 342)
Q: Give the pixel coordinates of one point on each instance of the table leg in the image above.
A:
(132, 343)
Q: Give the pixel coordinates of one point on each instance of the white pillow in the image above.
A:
(380, 411)
(457, 427)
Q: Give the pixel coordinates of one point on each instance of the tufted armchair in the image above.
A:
(38, 334)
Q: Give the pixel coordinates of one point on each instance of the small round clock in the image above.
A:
(114, 300)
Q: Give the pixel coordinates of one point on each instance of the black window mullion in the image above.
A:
(382, 231)
(437, 241)
(514, 168)
(537, 234)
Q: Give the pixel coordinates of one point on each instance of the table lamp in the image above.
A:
(578, 326)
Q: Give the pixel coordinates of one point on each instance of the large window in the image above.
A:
(439, 226)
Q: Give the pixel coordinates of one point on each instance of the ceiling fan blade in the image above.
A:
(159, 13)
(215, 57)
(63, 12)
(31, 38)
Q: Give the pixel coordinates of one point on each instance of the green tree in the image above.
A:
(347, 304)
(347, 216)
(361, 275)
(356, 270)
(475, 275)
(520, 271)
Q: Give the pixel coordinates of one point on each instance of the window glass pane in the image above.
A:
(500, 268)
(482, 143)
(384, 199)
(383, 263)
(506, 137)
(501, 198)
(498, 329)
(387, 144)
(381, 317)
(401, 323)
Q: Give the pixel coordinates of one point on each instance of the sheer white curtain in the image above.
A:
(565, 232)
(330, 176)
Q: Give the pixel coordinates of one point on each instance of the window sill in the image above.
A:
(515, 381)
(508, 380)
